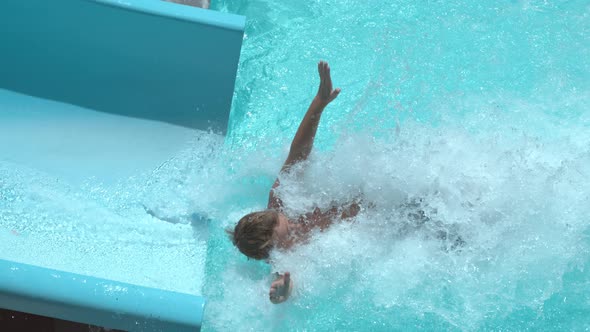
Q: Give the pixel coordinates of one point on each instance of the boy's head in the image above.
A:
(256, 233)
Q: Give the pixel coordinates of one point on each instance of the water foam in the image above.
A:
(511, 182)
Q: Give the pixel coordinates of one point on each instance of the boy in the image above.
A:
(257, 233)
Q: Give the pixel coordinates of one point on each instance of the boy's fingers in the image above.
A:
(334, 94)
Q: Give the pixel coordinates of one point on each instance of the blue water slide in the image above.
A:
(100, 302)
(142, 58)
(146, 59)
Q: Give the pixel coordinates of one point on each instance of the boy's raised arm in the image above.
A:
(305, 135)
(303, 142)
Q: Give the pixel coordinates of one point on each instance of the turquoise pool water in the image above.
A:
(480, 109)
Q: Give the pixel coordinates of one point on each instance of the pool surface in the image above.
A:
(480, 109)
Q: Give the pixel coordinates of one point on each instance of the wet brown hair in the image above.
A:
(253, 233)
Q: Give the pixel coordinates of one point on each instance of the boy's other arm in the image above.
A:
(281, 288)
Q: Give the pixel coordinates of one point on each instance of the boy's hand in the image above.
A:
(281, 288)
(325, 93)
